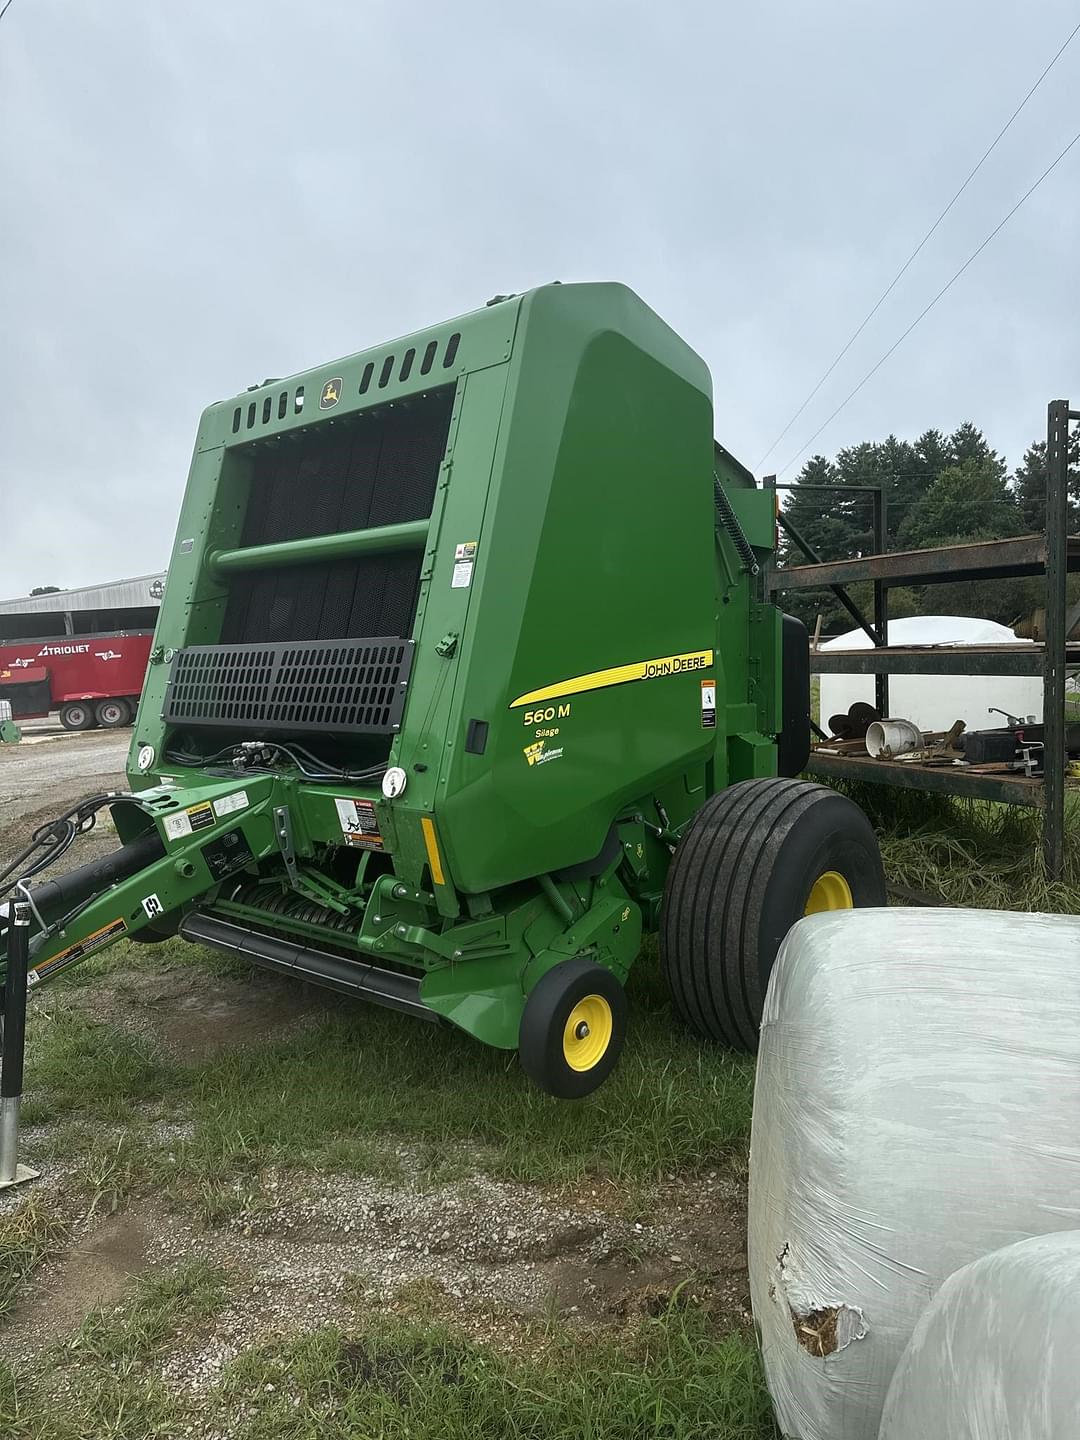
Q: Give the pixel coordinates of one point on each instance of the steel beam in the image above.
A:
(1024, 555)
(838, 590)
(946, 780)
(881, 599)
(937, 660)
(1057, 499)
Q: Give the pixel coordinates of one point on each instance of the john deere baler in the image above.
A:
(464, 676)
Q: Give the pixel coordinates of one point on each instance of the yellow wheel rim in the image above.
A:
(588, 1033)
(830, 892)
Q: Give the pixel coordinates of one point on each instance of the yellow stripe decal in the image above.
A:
(619, 675)
(432, 846)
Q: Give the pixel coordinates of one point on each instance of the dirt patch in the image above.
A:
(191, 1013)
(97, 1270)
(41, 780)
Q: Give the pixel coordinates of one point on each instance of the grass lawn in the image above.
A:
(143, 1136)
(347, 1092)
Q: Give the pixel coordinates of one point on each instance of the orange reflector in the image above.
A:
(432, 847)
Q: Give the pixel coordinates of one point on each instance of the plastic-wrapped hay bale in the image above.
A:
(994, 1356)
(918, 1088)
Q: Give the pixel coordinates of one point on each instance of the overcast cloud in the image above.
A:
(199, 195)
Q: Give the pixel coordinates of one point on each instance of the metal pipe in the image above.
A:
(384, 540)
(11, 1062)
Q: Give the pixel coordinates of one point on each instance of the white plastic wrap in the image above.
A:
(917, 1104)
(933, 702)
(994, 1356)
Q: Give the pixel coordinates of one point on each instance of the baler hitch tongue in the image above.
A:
(61, 915)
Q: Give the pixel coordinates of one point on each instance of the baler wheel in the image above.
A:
(756, 858)
(573, 1028)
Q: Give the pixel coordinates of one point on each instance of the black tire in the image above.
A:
(78, 715)
(740, 879)
(567, 987)
(112, 713)
(162, 928)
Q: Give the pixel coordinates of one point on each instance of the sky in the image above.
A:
(196, 196)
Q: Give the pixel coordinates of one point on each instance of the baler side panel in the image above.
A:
(598, 553)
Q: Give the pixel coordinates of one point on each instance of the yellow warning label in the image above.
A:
(78, 951)
(195, 817)
(620, 675)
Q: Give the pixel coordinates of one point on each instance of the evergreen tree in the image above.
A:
(970, 500)
(822, 518)
(967, 442)
(940, 489)
(826, 520)
(1029, 486)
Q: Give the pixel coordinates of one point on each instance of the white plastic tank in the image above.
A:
(934, 702)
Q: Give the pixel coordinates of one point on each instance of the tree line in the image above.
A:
(939, 490)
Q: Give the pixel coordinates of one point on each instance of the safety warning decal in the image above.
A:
(708, 704)
(78, 951)
(228, 803)
(195, 817)
(226, 854)
(359, 825)
(464, 559)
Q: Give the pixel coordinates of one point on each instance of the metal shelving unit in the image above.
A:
(1053, 554)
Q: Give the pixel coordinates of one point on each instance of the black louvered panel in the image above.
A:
(375, 594)
(380, 468)
(341, 687)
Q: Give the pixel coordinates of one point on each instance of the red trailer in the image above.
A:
(91, 679)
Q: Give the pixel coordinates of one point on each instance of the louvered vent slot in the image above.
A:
(336, 687)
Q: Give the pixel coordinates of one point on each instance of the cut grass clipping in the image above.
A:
(971, 853)
(392, 1378)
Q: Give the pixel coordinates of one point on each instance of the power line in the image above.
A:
(7, 7)
(930, 305)
(903, 268)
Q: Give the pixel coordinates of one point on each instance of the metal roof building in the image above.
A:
(114, 595)
(89, 609)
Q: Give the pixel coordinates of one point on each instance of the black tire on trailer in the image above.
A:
(112, 713)
(756, 858)
(77, 715)
(572, 1028)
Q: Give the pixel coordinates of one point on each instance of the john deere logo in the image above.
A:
(331, 393)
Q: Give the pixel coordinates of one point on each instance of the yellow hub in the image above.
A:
(831, 892)
(588, 1033)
